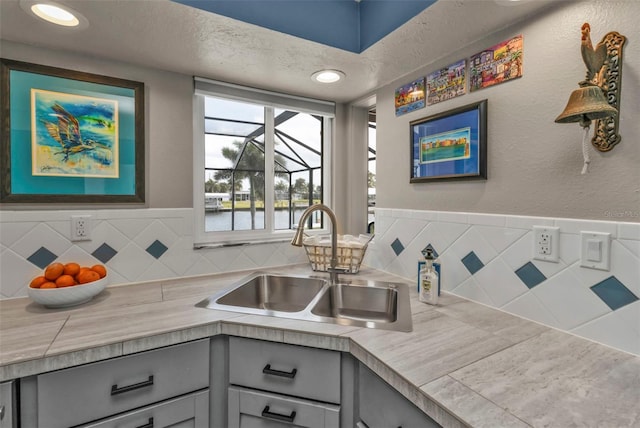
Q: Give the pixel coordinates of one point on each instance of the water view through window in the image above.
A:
(237, 146)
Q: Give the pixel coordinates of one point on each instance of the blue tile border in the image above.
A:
(614, 293)
(42, 257)
(472, 262)
(104, 253)
(530, 275)
(157, 249)
(397, 247)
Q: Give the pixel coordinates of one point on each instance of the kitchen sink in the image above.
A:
(274, 293)
(355, 302)
(311, 298)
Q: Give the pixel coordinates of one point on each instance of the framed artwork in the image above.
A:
(446, 83)
(410, 97)
(497, 64)
(69, 137)
(450, 145)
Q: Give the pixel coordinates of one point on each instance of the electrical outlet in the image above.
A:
(546, 243)
(81, 228)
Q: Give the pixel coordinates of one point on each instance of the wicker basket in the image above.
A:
(349, 258)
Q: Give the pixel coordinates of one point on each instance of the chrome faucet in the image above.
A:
(297, 238)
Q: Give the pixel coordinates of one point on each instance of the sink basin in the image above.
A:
(265, 292)
(358, 303)
(352, 302)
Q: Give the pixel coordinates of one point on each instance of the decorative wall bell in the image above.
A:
(604, 65)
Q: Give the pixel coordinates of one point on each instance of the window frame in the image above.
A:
(270, 101)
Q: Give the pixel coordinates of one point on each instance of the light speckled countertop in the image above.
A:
(463, 363)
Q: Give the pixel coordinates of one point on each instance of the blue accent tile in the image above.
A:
(530, 275)
(42, 257)
(157, 249)
(472, 262)
(429, 246)
(397, 247)
(614, 293)
(104, 253)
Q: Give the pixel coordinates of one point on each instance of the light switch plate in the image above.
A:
(595, 250)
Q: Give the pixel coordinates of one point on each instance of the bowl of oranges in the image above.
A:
(68, 284)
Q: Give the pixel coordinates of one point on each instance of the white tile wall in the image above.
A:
(504, 244)
(130, 233)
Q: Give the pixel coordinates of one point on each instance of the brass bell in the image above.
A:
(587, 103)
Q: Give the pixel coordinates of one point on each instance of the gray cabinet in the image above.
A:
(8, 414)
(274, 384)
(82, 394)
(381, 406)
(249, 408)
(190, 411)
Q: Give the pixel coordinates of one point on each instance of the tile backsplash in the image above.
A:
(135, 245)
(485, 258)
(489, 259)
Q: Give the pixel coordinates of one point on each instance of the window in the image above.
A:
(371, 171)
(263, 163)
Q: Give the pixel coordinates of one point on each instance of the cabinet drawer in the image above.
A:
(287, 369)
(248, 408)
(93, 391)
(187, 411)
(381, 406)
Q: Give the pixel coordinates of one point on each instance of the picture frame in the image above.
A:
(70, 137)
(450, 145)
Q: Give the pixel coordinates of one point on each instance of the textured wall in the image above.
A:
(533, 163)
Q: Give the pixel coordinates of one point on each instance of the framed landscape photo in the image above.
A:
(450, 145)
(70, 137)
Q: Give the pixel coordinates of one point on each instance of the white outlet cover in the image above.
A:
(589, 246)
(553, 253)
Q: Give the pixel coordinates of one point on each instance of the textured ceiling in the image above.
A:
(166, 35)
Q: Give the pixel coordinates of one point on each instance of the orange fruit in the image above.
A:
(88, 276)
(102, 271)
(65, 281)
(48, 284)
(53, 271)
(37, 281)
(71, 269)
(82, 269)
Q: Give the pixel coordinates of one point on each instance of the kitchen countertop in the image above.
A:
(464, 364)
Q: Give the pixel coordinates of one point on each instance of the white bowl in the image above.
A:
(68, 296)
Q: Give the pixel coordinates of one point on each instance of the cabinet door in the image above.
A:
(256, 409)
(190, 411)
(381, 406)
(8, 418)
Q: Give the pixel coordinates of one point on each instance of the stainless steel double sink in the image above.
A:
(359, 303)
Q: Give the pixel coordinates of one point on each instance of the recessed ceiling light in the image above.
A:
(327, 76)
(55, 13)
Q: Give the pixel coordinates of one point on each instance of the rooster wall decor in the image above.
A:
(604, 69)
(597, 98)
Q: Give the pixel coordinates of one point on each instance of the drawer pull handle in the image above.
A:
(115, 390)
(148, 424)
(268, 370)
(277, 416)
